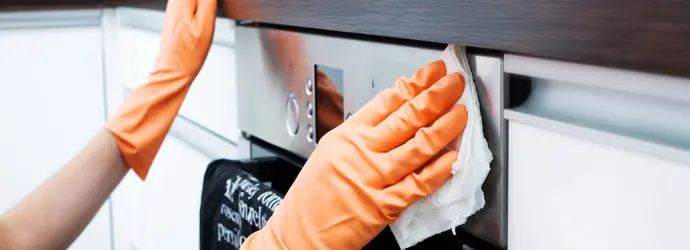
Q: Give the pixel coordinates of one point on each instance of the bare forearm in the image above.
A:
(53, 215)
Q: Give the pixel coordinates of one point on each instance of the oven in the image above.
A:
(282, 109)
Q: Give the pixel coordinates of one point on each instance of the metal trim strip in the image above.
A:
(205, 141)
(50, 19)
(637, 111)
(624, 142)
(647, 84)
(202, 139)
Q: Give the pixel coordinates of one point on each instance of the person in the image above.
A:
(359, 179)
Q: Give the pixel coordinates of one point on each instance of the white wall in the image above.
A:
(51, 104)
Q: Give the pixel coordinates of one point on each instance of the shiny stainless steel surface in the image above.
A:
(490, 223)
(636, 111)
(273, 64)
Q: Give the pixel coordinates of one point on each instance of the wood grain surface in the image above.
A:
(651, 36)
(633, 34)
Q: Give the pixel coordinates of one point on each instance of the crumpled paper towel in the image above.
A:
(461, 196)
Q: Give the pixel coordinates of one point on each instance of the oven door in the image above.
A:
(281, 105)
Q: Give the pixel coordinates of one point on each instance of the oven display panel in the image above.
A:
(329, 99)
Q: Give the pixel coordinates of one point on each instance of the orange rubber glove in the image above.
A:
(365, 172)
(145, 117)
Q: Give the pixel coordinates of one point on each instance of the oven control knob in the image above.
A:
(292, 115)
(310, 86)
(310, 109)
(310, 133)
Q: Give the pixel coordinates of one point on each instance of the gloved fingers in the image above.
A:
(426, 143)
(405, 89)
(417, 113)
(422, 182)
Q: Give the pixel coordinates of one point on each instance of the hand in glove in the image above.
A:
(365, 172)
(145, 117)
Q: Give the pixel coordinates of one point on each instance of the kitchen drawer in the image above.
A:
(138, 51)
(148, 215)
(211, 101)
(165, 206)
(567, 192)
(51, 103)
(598, 158)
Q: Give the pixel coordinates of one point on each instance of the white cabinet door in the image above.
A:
(571, 193)
(172, 195)
(51, 104)
(211, 101)
(163, 211)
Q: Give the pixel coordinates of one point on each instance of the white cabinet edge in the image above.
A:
(630, 143)
(50, 18)
(568, 192)
(149, 20)
(152, 20)
(111, 58)
(642, 83)
(639, 111)
(203, 139)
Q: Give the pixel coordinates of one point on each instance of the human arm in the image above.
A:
(53, 215)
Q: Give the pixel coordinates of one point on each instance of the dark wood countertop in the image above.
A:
(652, 36)
(641, 35)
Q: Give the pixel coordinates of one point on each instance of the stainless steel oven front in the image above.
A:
(282, 104)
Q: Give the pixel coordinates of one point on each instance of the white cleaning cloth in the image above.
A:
(461, 196)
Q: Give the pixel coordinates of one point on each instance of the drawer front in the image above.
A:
(212, 100)
(572, 193)
(598, 158)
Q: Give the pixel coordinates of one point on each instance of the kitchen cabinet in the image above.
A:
(211, 101)
(598, 158)
(63, 72)
(51, 104)
(163, 211)
(148, 214)
(567, 192)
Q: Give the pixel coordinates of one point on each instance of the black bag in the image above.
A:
(234, 204)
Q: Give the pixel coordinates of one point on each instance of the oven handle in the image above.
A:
(642, 112)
